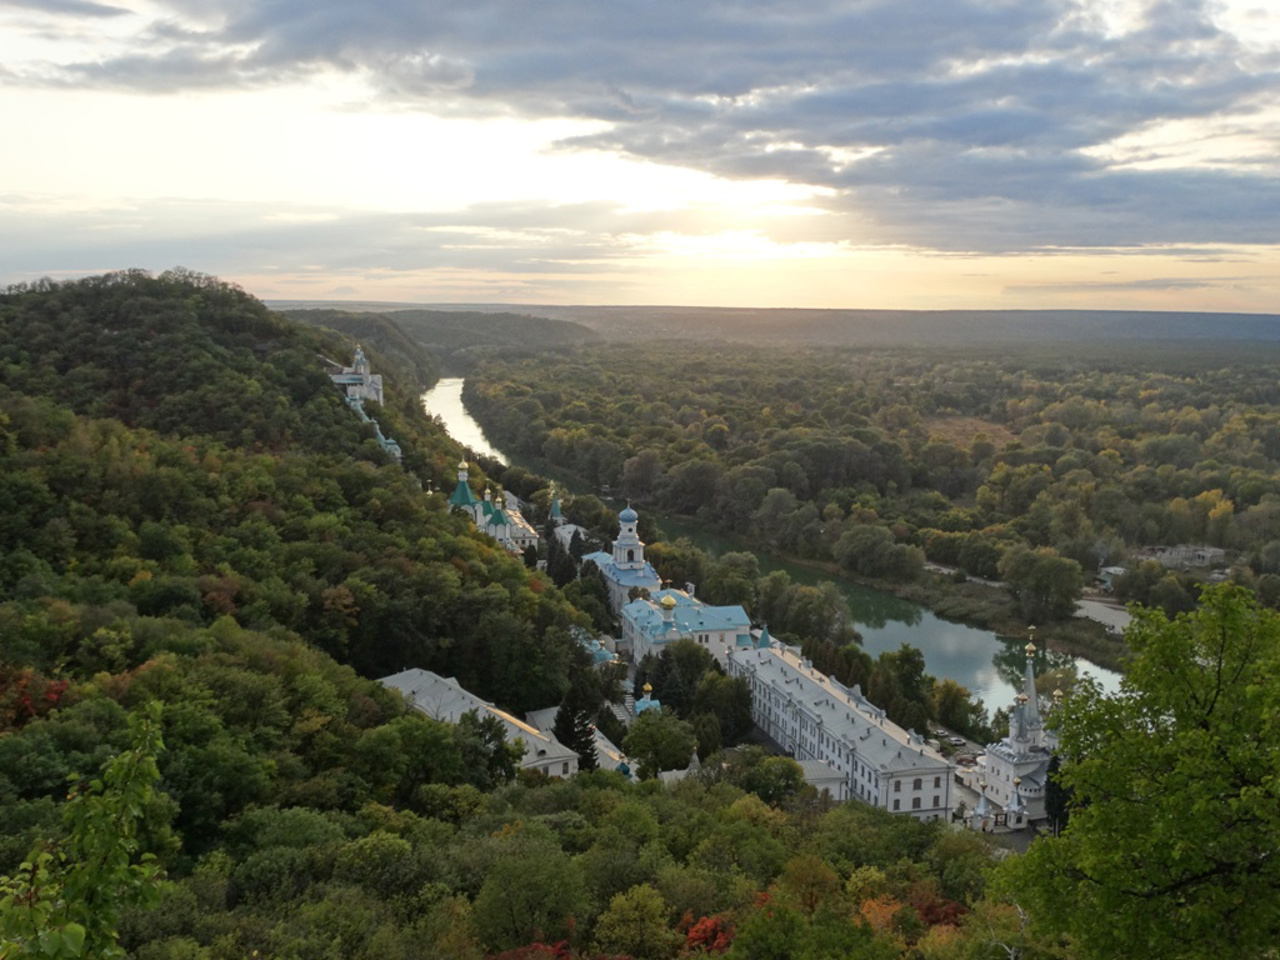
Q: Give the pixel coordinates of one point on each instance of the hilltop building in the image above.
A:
(1013, 773)
(357, 381)
(358, 384)
(625, 568)
(824, 724)
(443, 698)
(504, 522)
(649, 625)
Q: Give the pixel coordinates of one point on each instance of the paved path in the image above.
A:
(1115, 618)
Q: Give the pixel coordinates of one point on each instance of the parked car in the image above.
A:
(958, 741)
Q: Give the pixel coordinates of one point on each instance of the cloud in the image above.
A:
(1161, 284)
(969, 125)
(72, 8)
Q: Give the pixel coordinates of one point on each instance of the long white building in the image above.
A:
(443, 698)
(816, 718)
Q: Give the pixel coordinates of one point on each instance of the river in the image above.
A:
(990, 666)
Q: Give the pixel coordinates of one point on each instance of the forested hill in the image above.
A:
(457, 338)
(190, 514)
(400, 356)
(179, 353)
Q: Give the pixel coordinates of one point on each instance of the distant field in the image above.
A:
(960, 431)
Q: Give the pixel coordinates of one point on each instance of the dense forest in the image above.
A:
(208, 561)
(1035, 470)
(453, 340)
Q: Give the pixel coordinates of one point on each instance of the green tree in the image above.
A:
(1045, 584)
(574, 720)
(1173, 848)
(66, 902)
(635, 924)
(659, 740)
(531, 891)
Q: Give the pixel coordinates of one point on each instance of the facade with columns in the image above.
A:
(1015, 771)
(625, 568)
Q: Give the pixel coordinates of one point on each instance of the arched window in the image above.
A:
(631, 556)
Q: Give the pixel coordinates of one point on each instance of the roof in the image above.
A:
(462, 495)
(443, 698)
(843, 712)
(689, 614)
(645, 576)
(819, 774)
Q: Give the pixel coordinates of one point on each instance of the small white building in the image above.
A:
(818, 719)
(443, 698)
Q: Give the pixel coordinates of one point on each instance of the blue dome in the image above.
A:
(628, 516)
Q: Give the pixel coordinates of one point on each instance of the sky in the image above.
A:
(918, 154)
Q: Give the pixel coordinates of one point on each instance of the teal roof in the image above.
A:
(462, 495)
(690, 616)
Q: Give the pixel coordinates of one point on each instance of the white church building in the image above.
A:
(1012, 774)
(625, 568)
(504, 522)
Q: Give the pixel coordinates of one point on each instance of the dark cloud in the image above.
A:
(227, 238)
(71, 8)
(960, 125)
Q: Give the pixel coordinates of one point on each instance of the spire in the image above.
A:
(1032, 704)
(462, 495)
(556, 516)
(983, 809)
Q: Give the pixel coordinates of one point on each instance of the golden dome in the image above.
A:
(668, 602)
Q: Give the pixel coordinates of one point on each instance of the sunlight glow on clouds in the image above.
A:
(831, 153)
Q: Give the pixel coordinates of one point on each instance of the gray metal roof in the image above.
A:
(445, 699)
(843, 712)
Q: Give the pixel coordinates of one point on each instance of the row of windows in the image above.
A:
(916, 784)
(915, 803)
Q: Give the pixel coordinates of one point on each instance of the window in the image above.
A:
(937, 782)
(915, 784)
(915, 803)
(895, 804)
(897, 788)
(566, 768)
(935, 799)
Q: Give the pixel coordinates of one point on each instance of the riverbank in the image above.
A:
(973, 603)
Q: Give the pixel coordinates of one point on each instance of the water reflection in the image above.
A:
(990, 666)
(444, 401)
